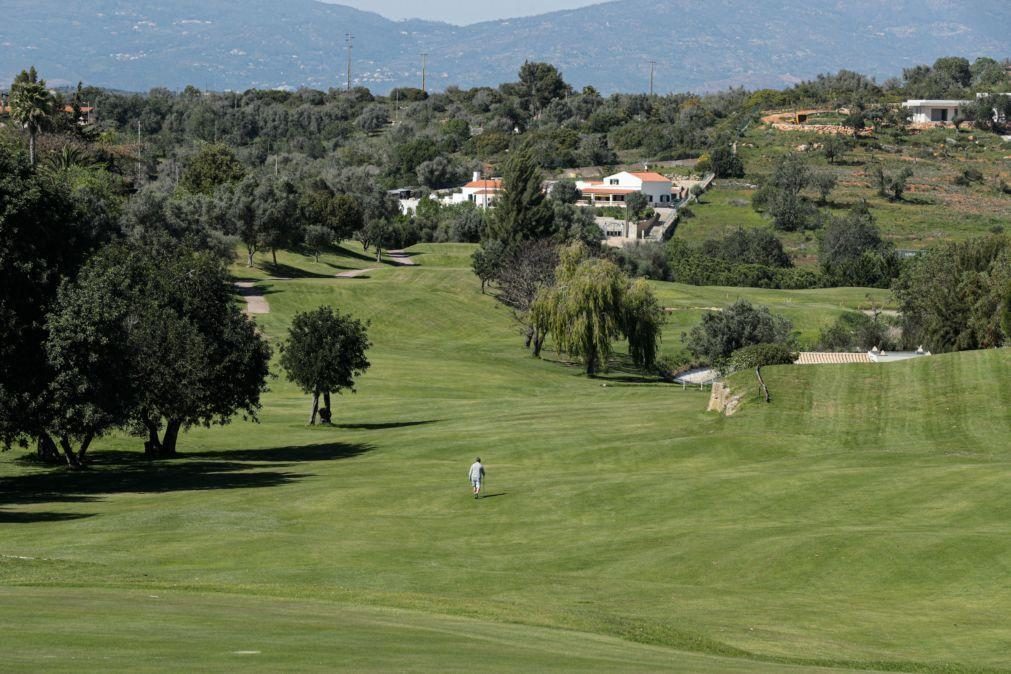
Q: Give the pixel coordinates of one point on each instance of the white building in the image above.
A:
(612, 190)
(941, 111)
(481, 192)
(933, 111)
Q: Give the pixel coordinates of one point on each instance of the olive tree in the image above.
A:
(323, 354)
(154, 343)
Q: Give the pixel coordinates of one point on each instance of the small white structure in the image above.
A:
(933, 111)
(941, 111)
(877, 355)
(408, 197)
(481, 192)
(612, 190)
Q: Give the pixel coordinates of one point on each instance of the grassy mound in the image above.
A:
(859, 521)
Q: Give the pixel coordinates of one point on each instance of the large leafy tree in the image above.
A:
(591, 304)
(741, 324)
(277, 215)
(329, 218)
(153, 339)
(243, 217)
(956, 296)
(45, 235)
(781, 196)
(31, 106)
(852, 252)
(323, 354)
(487, 261)
(265, 215)
(523, 212)
(212, 166)
(540, 83)
(725, 161)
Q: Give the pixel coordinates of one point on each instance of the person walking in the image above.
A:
(476, 476)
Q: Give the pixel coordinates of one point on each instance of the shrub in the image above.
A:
(760, 355)
(741, 324)
(968, 177)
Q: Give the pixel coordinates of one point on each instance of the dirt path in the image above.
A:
(354, 273)
(400, 257)
(256, 303)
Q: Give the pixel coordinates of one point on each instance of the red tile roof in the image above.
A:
(493, 184)
(68, 109)
(650, 176)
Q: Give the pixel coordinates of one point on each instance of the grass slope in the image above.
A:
(858, 522)
(933, 209)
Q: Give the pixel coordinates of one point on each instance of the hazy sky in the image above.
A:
(454, 11)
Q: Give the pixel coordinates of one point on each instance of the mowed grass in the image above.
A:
(860, 521)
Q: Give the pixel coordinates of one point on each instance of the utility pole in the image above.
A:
(349, 39)
(424, 64)
(652, 69)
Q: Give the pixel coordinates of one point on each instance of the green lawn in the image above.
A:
(860, 521)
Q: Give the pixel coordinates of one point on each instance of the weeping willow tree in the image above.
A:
(642, 322)
(591, 305)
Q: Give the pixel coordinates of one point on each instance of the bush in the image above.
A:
(696, 267)
(968, 177)
(645, 259)
(760, 355)
(856, 331)
(741, 324)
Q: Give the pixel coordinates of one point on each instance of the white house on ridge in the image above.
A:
(481, 192)
(933, 111)
(612, 190)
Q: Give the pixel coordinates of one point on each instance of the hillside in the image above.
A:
(857, 522)
(227, 44)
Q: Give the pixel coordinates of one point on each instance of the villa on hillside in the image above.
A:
(940, 111)
(933, 111)
(612, 190)
(481, 192)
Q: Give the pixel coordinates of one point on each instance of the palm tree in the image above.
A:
(31, 105)
(68, 157)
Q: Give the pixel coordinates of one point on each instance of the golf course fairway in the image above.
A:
(859, 521)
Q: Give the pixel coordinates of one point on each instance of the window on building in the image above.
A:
(613, 181)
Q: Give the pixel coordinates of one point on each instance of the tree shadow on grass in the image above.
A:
(324, 452)
(281, 270)
(7, 517)
(621, 371)
(117, 477)
(385, 426)
(255, 291)
(119, 472)
(346, 252)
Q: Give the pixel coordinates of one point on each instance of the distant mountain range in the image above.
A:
(239, 44)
